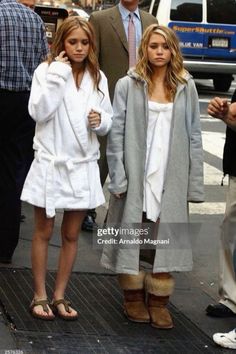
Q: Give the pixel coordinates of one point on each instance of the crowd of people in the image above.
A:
(58, 101)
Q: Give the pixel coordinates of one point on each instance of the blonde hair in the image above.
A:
(69, 25)
(175, 69)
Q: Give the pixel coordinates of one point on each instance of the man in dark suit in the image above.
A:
(111, 28)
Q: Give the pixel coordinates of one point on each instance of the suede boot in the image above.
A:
(159, 287)
(134, 297)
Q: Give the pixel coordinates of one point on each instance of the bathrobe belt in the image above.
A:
(71, 165)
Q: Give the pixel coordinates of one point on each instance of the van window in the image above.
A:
(219, 11)
(186, 10)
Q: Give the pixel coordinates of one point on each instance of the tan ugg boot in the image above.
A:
(134, 297)
(159, 287)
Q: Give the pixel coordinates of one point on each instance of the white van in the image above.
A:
(207, 33)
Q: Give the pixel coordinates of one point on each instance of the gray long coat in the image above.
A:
(126, 154)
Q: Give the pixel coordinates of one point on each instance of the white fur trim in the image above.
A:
(159, 286)
(132, 282)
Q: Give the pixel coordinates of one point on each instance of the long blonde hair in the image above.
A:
(68, 25)
(175, 69)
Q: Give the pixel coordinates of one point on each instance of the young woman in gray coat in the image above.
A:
(156, 167)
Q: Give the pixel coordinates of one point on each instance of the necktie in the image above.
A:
(132, 40)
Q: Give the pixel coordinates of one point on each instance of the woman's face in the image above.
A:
(158, 52)
(76, 46)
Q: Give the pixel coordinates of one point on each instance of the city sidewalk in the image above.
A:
(102, 327)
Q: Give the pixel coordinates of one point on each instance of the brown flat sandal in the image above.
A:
(66, 304)
(44, 303)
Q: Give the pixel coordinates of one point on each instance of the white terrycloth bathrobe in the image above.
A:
(64, 173)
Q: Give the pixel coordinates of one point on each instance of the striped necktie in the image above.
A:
(132, 40)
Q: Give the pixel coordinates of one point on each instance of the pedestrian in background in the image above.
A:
(220, 108)
(23, 46)
(70, 103)
(155, 164)
(31, 5)
(118, 35)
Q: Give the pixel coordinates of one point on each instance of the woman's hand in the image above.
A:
(94, 119)
(62, 57)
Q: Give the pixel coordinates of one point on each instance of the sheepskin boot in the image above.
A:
(134, 297)
(159, 287)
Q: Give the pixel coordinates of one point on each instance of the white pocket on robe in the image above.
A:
(79, 180)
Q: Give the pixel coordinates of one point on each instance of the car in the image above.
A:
(207, 34)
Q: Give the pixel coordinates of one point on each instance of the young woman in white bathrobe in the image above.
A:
(70, 103)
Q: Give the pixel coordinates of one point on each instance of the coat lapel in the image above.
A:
(117, 24)
(144, 20)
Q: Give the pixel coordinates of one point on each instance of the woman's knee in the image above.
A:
(71, 225)
(43, 233)
(43, 228)
(70, 236)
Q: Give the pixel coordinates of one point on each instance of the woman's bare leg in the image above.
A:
(70, 229)
(42, 233)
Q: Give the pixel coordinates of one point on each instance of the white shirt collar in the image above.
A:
(125, 13)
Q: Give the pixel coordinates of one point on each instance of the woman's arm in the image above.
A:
(105, 109)
(196, 184)
(115, 144)
(47, 90)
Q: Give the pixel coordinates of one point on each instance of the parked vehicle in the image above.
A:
(207, 33)
(52, 18)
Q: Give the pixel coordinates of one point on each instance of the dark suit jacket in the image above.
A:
(112, 46)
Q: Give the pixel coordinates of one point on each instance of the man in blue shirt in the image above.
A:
(111, 29)
(23, 46)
